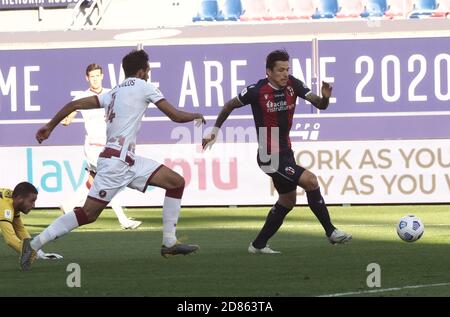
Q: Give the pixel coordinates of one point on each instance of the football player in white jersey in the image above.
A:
(95, 140)
(118, 167)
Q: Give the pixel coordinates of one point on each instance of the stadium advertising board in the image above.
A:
(367, 172)
(383, 89)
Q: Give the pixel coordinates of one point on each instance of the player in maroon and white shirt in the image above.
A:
(95, 140)
(118, 166)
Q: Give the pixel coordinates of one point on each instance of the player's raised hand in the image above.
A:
(43, 133)
(199, 119)
(326, 89)
(210, 139)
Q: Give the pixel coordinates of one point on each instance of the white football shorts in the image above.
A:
(113, 175)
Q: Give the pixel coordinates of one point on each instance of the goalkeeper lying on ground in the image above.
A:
(21, 199)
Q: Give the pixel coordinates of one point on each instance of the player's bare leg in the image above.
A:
(61, 226)
(173, 183)
(125, 222)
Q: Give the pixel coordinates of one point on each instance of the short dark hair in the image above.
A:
(275, 56)
(24, 189)
(134, 61)
(92, 67)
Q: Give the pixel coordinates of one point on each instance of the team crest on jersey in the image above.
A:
(289, 170)
(8, 213)
(290, 91)
(266, 96)
(102, 193)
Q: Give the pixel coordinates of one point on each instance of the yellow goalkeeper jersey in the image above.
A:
(11, 224)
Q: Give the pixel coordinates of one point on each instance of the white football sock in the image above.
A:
(171, 211)
(117, 208)
(59, 227)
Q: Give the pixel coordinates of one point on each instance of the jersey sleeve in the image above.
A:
(6, 211)
(104, 99)
(248, 95)
(152, 94)
(300, 88)
(20, 229)
(10, 237)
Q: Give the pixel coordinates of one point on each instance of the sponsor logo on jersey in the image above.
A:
(278, 106)
(102, 193)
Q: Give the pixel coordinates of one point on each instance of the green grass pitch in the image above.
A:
(115, 262)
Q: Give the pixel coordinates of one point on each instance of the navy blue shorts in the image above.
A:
(285, 172)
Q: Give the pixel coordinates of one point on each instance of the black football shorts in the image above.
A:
(284, 171)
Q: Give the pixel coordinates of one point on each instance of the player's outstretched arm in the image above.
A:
(177, 115)
(318, 102)
(10, 236)
(83, 103)
(229, 106)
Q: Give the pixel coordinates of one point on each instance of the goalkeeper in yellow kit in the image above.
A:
(12, 203)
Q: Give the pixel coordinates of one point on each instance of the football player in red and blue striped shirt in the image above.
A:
(273, 105)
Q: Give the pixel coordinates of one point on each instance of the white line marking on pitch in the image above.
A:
(392, 289)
